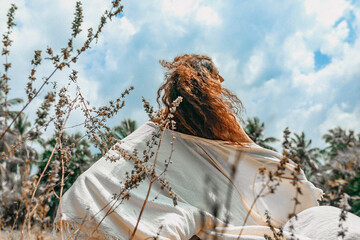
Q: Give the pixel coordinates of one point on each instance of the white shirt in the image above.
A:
(199, 176)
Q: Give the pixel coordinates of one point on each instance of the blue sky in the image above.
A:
(292, 63)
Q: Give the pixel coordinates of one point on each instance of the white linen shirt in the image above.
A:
(200, 174)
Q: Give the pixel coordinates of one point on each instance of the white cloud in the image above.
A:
(119, 33)
(333, 43)
(90, 89)
(179, 8)
(297, 57)
(306, 113)
(337, 116)
(208, 16)
(254, 67)
(342, 69)
(356, 12)
(127, 26)
(327, 12)
(111, 62)
(298, 117)
(228, 67)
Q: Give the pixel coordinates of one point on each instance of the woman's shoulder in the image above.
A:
(140, 134)
(149, 128)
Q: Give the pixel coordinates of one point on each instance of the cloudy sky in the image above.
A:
(293, 63)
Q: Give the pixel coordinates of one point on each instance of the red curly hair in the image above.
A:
(208, 109)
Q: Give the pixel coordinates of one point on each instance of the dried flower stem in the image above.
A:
(251, 207)
(5, 51)
(150, 185)
(27, 104)
(108, 15)
(108, 212)
(88, 220)
(28, 215)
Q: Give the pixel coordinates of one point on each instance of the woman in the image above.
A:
(206, 179)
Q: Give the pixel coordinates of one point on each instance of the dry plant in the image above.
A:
(25, 200)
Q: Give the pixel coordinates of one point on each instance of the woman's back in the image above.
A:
(203, 189)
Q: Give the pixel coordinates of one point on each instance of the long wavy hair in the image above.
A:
(208, 109)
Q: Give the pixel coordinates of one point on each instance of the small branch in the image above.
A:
(150, 185)
(28, 215)
(57, 196)
(61, 192)
(251, 207)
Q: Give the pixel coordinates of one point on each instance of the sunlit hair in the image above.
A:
(208, 109)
